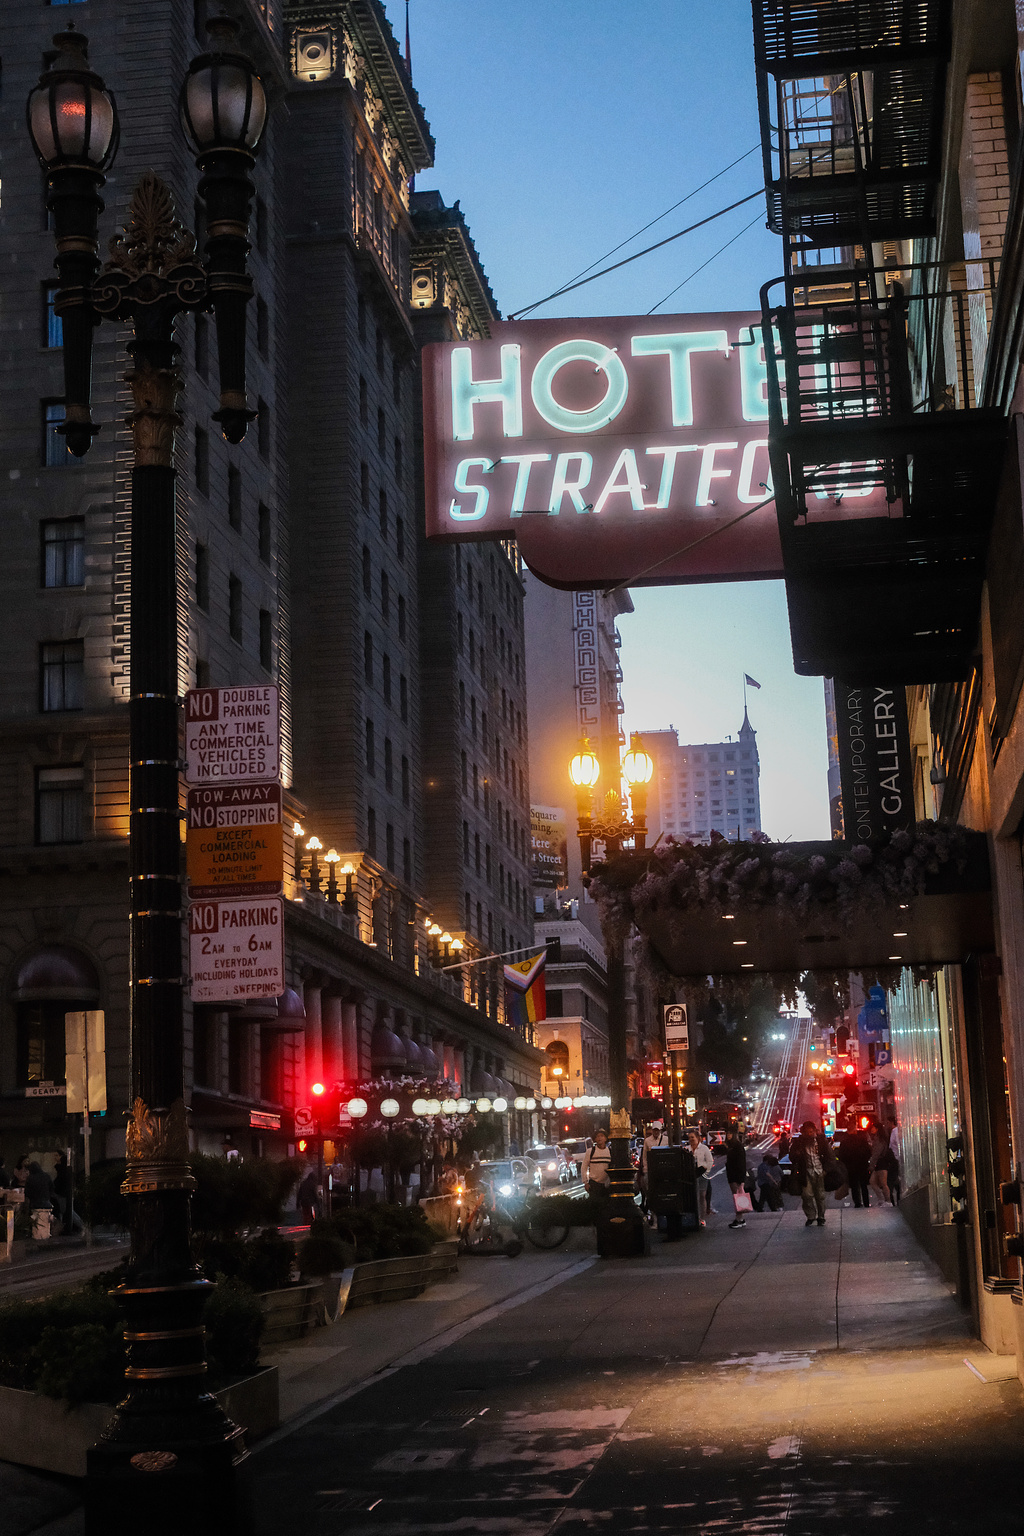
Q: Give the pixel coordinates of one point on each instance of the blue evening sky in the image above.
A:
(563, 126)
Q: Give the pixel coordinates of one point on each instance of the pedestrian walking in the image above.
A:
(855, 1151)
(881, 1163)
(810, 1155)
(596, 1163)
(63, 1194)
(736, 1173)
(785, 1142)
(768, 1181)
(705, 1161)
(308, 1197)
(39, 1197)
(896, 1162)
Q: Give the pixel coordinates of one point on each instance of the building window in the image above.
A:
(465, 843)
(371, 831)
(201, 464)
(398, 459)
(262, 327)
(461, 635)
(407, 861)
(389, 845)
(386, 678)
(263, 428)
(202, 672)
(405, 781)
(476, 851)
(382, 514)
(385, 598)
(202, 346)
(382, 432)
(472, 717)
(202, 577)
(62, 675)
(465, 775)
(364, 404)
(371, 752)
(234, 498)
(396, 381)
(361, 315)
(401, 618)
(53, 326)
(462, 702)
(367, 572)
(266, 640)
(235, 608)
(403, 696)
(264, 532)
(60, 796)
(389, 765)
(368, 658)
(63, 552)
(364, 486)
(380, 350)
(400, 539)
(55, 449)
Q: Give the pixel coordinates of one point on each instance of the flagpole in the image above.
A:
(744, 693)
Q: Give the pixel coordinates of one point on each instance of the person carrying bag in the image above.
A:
(596, 1165)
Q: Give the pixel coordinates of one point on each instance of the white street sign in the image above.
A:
(232, 735)
(304, 1121)
(677, 1031)
(236, 949)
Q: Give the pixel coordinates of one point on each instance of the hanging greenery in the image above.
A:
(834, 880)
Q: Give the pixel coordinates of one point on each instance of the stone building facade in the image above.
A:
(298, 564)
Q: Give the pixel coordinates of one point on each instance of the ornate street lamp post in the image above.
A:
(167, 1462)
(621, 1231)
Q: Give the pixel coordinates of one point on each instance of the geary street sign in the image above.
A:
(606, 446)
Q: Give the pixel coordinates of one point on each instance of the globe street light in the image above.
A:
(620, 1228)
(167, 1461)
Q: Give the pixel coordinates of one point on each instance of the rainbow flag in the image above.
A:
(525, 992)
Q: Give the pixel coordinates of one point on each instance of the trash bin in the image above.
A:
(672, 1189)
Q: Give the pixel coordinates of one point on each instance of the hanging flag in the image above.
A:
(750, 681)
(526, 992)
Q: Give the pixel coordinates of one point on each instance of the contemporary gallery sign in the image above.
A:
(873, 738)
(610, 448)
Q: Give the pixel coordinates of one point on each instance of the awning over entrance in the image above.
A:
(730, 933)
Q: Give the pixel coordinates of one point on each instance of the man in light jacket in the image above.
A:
(705, 1160)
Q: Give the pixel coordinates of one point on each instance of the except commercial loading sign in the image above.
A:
(606, 446)
(234, 838)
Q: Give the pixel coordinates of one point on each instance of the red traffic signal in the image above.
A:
(317, 1089)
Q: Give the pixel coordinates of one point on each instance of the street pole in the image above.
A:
(167, 1461)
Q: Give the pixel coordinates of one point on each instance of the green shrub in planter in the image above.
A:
(384, 1231)
(234, 1323)
(23, 1324)
(83, 1364)
(324, 1253)
(268, 1261)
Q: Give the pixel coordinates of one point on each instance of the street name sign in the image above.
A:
(234, 840)
(236, 949)
(232, 735)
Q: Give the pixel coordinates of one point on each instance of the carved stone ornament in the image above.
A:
(157, 1150)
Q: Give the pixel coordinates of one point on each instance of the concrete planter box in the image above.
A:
(45, 1433)
(291, 1313)
(395, 1279)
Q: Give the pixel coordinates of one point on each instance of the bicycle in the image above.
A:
(482, 1224)
(541, 1233)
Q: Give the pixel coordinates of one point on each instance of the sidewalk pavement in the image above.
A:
(58, 1264)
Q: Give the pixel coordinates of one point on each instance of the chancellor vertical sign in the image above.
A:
(875, 767)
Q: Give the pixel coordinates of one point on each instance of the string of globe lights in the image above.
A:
(390, 1108)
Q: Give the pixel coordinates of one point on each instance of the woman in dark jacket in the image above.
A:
(736, 1171)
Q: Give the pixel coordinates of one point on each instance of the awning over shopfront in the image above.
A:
(740, 932)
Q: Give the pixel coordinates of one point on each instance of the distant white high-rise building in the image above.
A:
(702, 787)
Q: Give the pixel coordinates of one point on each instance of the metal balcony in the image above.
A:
(851, 99)
(885, 471)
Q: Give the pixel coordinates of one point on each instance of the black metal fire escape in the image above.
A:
(885, 471)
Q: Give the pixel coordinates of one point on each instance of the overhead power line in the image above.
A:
(582, 282)
(704, 264)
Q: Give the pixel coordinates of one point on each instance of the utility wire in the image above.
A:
(643, 230)
(674, 554)
(704, 264)
(568, 288)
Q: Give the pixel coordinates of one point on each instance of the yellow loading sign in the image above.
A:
(235, 840)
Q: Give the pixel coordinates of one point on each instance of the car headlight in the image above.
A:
(505, 1189)
(552, 1167)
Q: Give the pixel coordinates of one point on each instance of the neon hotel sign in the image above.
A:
(606, 446)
